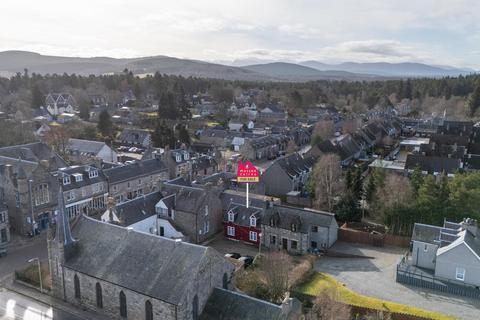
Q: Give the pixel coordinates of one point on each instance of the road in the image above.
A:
(14, 306)
(20, 253)
(380, 275)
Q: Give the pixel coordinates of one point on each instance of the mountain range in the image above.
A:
(16, 61)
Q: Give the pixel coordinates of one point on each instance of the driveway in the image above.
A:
(224, 245)
(375, 277)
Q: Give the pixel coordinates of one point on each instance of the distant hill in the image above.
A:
(405, 69)
(16, 61)
(296, 72)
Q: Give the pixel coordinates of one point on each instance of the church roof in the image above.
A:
(154, 266)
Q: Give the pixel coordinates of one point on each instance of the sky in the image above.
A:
(443, 32)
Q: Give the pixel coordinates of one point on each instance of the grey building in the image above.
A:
(4, 225)
(86, 151)
(29, 188)
(136, 179)
(85, 190)
(135, 137)
(178, 162)
(287, 174)
(125, 274)
(451, 251)
(298, 230)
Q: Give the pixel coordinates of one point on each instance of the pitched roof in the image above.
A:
(440, 139)
(137, 209)
(229, 305)
(135, 170)
(432, 164)
(295, 164)
(285, 216)
(242, 214)
(151, 265)
(426, 233)
(133, 135)
(33, 152)
(85, 146)
(83, 171)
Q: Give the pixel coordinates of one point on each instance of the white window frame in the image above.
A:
(231, 231)
(252, 236)
(460, 273)
(78, 177)
(206, 226)
(231, 217)
(92, 174)
(425, 247)
(66, 180)
(253, 221)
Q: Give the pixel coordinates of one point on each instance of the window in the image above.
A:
(40, 194)
(78, 177)
(252, 236)
(253, 221)
(70, 195)
(313, 244)
(231, 216)
(76, 286)
(273, 239)
(3, 217)
(314, 229)
(66, 180)
(92, 174)
(425, 247)
(98, 291)
(293, 244)
(148, 310)
(206, 210)
(178, 158)
(225, 281)
(123, 305)
(115, 188)
(460, 274)
(231, 231)
(139, 182)
(195, 308)
(294, 227)
(162, 231)
(17, 199)
(272, 222)
(206, 226)
(128, 185)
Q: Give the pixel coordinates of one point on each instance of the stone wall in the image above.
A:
(302, 239)
(111, 298)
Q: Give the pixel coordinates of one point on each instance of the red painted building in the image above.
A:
(242, 223)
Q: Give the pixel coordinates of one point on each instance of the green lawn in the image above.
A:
(321, 281)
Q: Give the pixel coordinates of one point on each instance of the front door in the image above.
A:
(284, 244)
(43, 220)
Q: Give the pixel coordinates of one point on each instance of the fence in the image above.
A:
(428, 281)
(356, 236)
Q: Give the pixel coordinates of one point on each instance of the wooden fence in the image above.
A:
(356, 236)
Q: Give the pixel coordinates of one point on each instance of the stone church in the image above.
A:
(122, 273)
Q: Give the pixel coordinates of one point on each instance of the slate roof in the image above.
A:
(432, 150)
(474, 148)
(295, 164)
(233, 196)
(33, 152)
(135, 170)
(85, 146)
(440, 139)
(229, 305)
(426, 233)
(203, 162)
(242, 214)
(432, 164)
(284, 217)
(137, 209)
(151, 265)
(84, 171)
(133, 136)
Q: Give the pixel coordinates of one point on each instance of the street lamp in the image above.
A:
(39, 271)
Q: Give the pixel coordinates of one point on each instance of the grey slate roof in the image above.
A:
(426, 233)
(228, 305)
(33, 152)
(135, 170)
(86, 181)
(151, 265)
(242, 214)
(85, 146)
(284, 217)
(137, 209)
(134, 136)
(432, 164)
(295, 164)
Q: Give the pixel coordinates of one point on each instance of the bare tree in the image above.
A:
(276, 266)
(328, 307)
(396, 190)
(327, 175)
(291, 147)
(323, 129)
(57, 138)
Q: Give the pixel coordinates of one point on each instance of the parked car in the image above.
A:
(132, 149)
(233, 255)
(247, 261)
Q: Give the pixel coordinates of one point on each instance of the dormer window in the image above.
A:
(66, 180)
(253, 221)
(231, 216)
(178, 158)
(93, 174)
(294, 227)
(78, 177)
(186, 156)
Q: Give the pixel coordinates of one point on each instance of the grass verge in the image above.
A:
(319, 282)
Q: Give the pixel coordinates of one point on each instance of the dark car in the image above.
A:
(247, 261)
(233, 255)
